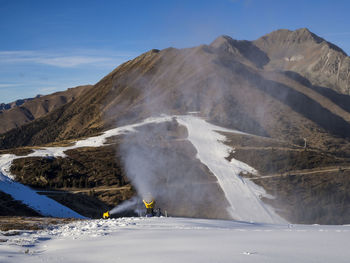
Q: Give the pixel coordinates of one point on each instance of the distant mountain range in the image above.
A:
(290, 87)
(7, 106)
(287, 84)
(23, 111)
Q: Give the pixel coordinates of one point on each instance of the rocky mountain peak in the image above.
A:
(242, 48)
(298, 36)
(221, 40)
(302, 36)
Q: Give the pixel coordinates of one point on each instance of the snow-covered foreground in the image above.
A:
(178, 240)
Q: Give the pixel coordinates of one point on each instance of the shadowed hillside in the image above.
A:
(21, 112)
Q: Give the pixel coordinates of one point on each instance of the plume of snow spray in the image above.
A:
(158, 159)
(124, 206)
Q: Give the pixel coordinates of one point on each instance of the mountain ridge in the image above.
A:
(16, 103)
(125, 91)
(288, 95)
(24, 111)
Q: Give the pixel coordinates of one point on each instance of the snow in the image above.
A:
(44, 205)
(178, 240)
(173, 239)
(242, 194)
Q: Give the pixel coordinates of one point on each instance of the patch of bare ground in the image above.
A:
(271, 156)
(90, 180)
(83, 168)
(23, 151)
(91, 202)
(248, 140)
(321, 197)
(8, 223)
(308, 185)
(65, 143)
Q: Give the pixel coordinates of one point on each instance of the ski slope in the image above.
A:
(178, 240)
(242, 194)
(44, 205)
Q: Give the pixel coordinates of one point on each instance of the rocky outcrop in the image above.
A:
(323, 63)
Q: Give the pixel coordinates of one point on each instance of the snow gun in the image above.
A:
(106, 215)
(149, 205)
(150, 208)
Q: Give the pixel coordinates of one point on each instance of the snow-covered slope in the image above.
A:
(242, 195)
(178, 240)
(44, 205)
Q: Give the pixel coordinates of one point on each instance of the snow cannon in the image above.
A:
(149, 207)
(106, 215)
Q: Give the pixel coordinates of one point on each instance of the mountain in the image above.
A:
(286, 91)
(7, 106)
(238, 84)
(322, 63)
(20, 112)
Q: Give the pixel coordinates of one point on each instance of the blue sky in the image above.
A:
(47, 46)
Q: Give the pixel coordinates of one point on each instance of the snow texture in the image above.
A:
(178, 240)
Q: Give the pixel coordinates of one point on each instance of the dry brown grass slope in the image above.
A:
(245, 85)
(38, 107)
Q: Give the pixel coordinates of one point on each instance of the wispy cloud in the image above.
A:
(26, 73)
(60, 59)
(8, 85)
(72, 61)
